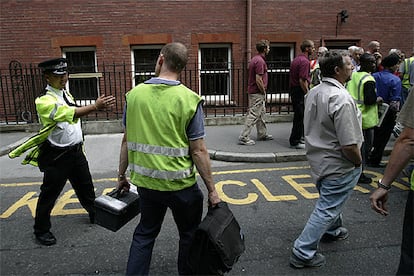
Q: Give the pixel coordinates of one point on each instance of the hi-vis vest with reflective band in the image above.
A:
(406, 76)
(158, 147)
(50, 111)
(412, 180)
(355, 87)
(32, 142)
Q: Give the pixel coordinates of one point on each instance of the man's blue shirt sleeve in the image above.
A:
(195, 129)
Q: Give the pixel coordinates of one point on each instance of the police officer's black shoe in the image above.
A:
(45, 238)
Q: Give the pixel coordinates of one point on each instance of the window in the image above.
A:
(340, 44)
(83, 76)
(278, 63)
(144, 60)
(215, 72)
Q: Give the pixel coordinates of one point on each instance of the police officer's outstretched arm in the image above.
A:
(101, 103)
(201, 158)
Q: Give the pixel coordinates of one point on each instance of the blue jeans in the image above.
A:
(327, 214)
(186, 206)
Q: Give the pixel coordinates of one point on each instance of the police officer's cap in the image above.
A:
(57, 66)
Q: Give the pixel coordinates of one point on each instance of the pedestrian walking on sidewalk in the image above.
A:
(333, 136)
(299, 81)
(163, 140)
(257, 86)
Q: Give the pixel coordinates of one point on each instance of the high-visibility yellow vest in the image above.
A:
(406, 75)
(158, 147)
(32, 142)
(355, 87)
(50, 112)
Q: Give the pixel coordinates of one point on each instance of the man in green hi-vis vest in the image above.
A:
(363, 91)
(163, 144)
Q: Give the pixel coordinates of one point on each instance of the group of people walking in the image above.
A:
(335, 100)
(335, 121)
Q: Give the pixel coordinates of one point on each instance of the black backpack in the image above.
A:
(217, 244)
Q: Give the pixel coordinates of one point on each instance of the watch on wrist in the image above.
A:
(385, 187)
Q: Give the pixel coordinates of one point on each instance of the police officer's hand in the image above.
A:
(104, 102)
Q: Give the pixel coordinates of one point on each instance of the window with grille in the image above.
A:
(278, 64)
(83, 76)
(215, 72)
(144, 60)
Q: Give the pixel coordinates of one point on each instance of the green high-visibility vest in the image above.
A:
(412, 180)
(32, 142)
(355, 88)
(406, 75)
(50, 112)
(158, 148)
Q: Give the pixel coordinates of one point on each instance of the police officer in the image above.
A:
(61, 156)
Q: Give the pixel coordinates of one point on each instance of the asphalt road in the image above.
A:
(272, 203)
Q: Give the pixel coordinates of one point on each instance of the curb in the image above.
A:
(257, 157)
(278, 157)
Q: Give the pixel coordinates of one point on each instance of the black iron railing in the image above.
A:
(224, 91)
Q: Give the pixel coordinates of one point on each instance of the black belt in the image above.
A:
(76, 147)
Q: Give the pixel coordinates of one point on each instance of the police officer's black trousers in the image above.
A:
(60, 165)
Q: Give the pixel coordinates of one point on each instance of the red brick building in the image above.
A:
(221, 35)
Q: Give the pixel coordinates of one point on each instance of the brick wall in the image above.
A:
(32, 31)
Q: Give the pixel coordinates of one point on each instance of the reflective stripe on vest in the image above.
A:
(359, 89)
(406, 75)
(157, 117)
(166, 175)
(355, 88)
(152, 149)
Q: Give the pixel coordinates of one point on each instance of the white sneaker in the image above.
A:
(248, 142)
(267, 137)
(298, 146)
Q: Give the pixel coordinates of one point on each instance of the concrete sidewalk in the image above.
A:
(221, 140)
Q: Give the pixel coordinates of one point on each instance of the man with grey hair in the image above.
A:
(333, 137)
(355, 52)
(316, 77)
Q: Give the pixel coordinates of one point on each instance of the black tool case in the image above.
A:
(115, 209)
